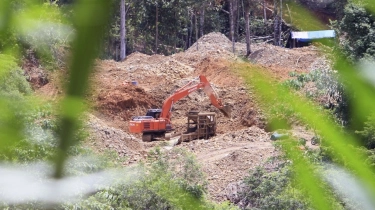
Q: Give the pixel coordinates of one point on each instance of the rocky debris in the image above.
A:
(247, 134)
(233, 191)
(228, 157)
(292, 59)
(104, 137)
(214, 45)
(124, 101)
(321, 63)
(35, 75)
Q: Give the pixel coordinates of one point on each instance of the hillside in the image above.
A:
(241, 142)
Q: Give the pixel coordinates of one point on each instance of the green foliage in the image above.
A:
(358, 26)
(176, 25)
(260, 28)
(35, 26)
(371, 157)
(172, 181)
(301, 79)
(368, 132)
(328, 91)
(185, 169)
(226, 205)
(12, 80)
(272, 190)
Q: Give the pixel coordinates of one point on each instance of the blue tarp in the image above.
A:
(306, 36)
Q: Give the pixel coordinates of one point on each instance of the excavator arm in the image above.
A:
(189, 88)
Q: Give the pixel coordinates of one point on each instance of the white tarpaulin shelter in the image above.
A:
(305, 36)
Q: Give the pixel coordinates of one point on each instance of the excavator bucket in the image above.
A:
(226, 110)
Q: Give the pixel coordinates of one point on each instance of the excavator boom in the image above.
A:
(189, 88)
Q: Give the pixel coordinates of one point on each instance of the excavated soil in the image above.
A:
(241, 142)
(121, 90)
(227, 158)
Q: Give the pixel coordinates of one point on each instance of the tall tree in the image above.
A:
(201, 20)
(247, 26)
(264, 11)
(277, 22)
(122, 30)
(156, 26)
(232, 16)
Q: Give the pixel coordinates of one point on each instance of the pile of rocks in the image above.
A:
(103, 136)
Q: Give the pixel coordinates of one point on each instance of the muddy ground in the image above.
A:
(241, 142)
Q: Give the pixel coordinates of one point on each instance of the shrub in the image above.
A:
(12, 80)
(172, 180)
(271, 190)
(358, 27)
(328, 91)
(368, 132)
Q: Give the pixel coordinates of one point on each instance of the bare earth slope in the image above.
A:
(241, 142)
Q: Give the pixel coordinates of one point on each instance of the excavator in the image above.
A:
(157, 122)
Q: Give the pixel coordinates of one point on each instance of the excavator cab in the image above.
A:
(155, 113)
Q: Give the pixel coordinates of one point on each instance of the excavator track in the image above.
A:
(147, 137)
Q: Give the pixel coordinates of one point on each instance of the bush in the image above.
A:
(12, 80)
(358, 27)
(328, 91)
(271, 190)
(173, 180)
(368, 132)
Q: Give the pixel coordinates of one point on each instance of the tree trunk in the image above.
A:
(276, 24)
(237, 28)
(191, 29)
(187, 35)
(196, 30)
(276, 31)
(247, 27)
(264, 11)
(157, 28)
(231, 17)
(122, 31)
(175, 35)
(201, 20)
(280, 21)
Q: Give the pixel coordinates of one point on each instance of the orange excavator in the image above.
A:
(157, 122)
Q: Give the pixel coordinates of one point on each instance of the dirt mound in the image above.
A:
(218, 71)
(214, 45)
(227, 158)
(281, 61)
(147, 71)
(125, 100)
(104, 137)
